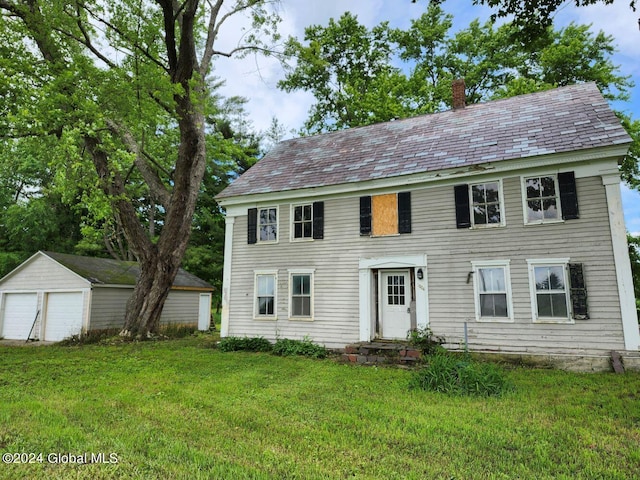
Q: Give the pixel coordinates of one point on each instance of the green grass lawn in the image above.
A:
(180, 409)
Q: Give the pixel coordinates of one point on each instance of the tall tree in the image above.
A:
(346, 66)
(533, 17)
(125, 86)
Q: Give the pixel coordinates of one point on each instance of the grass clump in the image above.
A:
(285, 347)
(248, 344)
(448, 373)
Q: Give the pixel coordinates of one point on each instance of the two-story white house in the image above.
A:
(499, 223)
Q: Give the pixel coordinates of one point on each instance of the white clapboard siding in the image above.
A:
(449, 252)
(43, 273)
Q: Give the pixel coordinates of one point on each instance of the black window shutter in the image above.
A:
(463, 213)
(568, 195)
(318, 220)
(252, 225)
(365, 215)
(578, 292)
(404, 212)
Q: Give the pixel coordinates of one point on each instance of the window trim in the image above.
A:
(549, 262)
(505, 265)
(302, 271)
(256, 314)
(502, 221)
(268, 207)
(525, 210)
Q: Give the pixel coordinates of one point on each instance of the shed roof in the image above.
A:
(561, 120)
(107, 271)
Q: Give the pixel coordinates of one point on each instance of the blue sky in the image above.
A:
(256, 78)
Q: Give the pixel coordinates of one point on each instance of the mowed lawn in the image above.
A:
(181, 409)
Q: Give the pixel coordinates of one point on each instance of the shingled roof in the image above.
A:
(561, 120)
(107, 271)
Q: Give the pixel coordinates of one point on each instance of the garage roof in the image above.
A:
(107, 271)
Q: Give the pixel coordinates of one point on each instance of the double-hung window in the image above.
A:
(542, 202)
(262, 225)
(492, 286)
(549, 290)
(265, 288)
(303, 221)
(479, 204)
(307, 221)
(485, 204)
(301, 294)
(550, 198)
(268, 224)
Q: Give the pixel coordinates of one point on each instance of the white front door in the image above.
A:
(395, 303)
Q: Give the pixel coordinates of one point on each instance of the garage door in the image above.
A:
(63, 315)
(19, 313)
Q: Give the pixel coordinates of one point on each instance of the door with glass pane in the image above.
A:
(395, 303)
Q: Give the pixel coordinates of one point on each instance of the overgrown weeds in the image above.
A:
(460, 375)
(424, 339)
(112, 336)
(305, 347)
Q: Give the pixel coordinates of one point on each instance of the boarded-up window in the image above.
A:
(385, 214)
(388, 214)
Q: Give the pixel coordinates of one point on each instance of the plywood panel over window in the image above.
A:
(385, 214)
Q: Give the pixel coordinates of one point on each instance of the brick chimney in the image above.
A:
(458, 93)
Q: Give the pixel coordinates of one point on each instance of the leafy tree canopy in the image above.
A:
(532, 17)
(386, 73)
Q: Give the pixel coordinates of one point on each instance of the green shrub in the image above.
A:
(458, 375)
(285, 347)
(424, 339)
(251, 344)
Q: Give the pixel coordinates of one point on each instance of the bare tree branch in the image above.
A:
(170, 34)
(211, 36)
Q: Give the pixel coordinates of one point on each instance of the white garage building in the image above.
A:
(52, 296)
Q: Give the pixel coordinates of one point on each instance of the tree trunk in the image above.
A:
(159, 263)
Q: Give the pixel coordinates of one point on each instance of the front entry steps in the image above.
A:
(381, 352)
